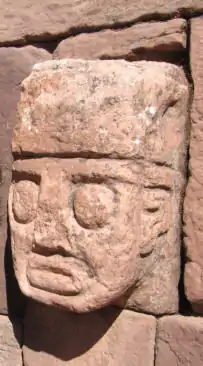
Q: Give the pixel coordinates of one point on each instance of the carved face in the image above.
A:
(75, 230)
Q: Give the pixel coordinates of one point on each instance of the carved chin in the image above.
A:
(67, 288)
(92, 299)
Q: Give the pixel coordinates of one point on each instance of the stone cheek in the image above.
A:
(95, 215)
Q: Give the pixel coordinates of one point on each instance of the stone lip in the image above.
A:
(115, 109)
(164, 41)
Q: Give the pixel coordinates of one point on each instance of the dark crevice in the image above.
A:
(188, 73)
(152, 209)
(15, 299)
(46, 251)
(21, 176)
(72, 155)
(49, 46)
(155, 343)
(22, 355)
(187, 66)
(184, 305)
(23, 337)
(156, 54)
(163, 187)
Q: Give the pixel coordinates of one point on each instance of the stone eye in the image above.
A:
(93, 205)
(25, 199)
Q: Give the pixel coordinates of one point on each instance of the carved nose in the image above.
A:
(50, 235)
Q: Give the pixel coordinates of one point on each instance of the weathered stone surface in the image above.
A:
(84, 231)
(10, 342)
(103, 108)
(179, 341)
(107, 337)
(15, 65)
(193, 212)
(155, 40)
(44, 20)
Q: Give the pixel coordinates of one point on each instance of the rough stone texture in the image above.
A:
(48, 19)
(15, 65)
(103, 108)
(179, 341)
(10, 342)
(80, 230)
(193, 212)
(94, 228)
(156, 40)
(107, 337)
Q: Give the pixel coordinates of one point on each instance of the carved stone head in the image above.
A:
(96, 187)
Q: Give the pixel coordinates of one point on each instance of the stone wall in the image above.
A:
(170, 330)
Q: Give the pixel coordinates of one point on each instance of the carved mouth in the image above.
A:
(55, 263)
(55, 273)
(49, 251)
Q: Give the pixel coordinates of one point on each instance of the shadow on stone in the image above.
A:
(15, 299)
(108, 336)
(63, 334)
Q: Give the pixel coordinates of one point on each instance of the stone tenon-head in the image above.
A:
(97, 181)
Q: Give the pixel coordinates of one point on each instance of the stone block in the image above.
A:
(154, 40)
(51, 18)
(95, 214)
(108, 337)
(97, 109)
(193, 206)
(10, 342)
(179, 341)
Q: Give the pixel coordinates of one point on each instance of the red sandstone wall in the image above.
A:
(170, 31)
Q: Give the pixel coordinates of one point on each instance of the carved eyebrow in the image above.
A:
(86, 178)
(103, 171)
(88, 170)
(101, 179)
